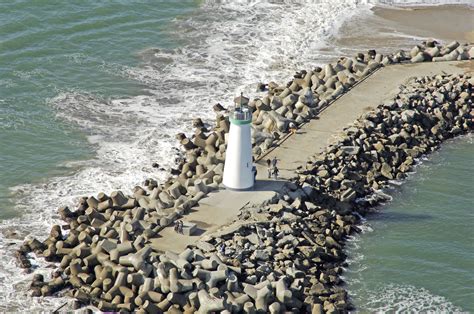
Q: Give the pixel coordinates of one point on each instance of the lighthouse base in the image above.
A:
(238, 174)
(239, 189)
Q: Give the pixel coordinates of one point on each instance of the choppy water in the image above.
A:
(92, 94)
(418, 252)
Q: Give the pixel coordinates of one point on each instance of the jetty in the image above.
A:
(189, 245)
(221, 208)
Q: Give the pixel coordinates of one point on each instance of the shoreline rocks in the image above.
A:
(283, 255)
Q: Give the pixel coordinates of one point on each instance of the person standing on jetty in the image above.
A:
(269, 168)
(178, 227)
(276, 171)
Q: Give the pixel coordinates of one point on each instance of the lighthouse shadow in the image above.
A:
(269, 185)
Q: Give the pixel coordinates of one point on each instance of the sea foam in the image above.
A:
(396, 298)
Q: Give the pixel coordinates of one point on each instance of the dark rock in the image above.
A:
(408, 116)
(350, 150)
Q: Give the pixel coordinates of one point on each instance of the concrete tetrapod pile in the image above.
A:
(289, 254)
(291, 250)
(384, 145)
(301, 99)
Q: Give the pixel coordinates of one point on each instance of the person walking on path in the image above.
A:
(274, 162)
(180, 226)
(276, 171)
(269, 168)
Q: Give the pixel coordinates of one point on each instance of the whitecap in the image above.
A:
(406, 298)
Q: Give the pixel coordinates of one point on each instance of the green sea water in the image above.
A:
(418, 254)
(51, 47)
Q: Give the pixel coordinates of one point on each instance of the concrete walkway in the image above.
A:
(219, 209)
(222, 207)
(383, 85)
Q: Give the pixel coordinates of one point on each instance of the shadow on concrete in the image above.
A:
(260, 185)
(198, 231)
(201, 224)
(269, 185)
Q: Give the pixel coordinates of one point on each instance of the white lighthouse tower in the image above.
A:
(238, 174)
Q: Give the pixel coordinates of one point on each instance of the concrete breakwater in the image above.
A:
(293, 253)
(300, 100)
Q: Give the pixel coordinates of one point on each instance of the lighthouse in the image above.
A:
(238, 168)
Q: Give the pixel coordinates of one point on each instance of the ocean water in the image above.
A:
(92, 94)
(417, 253)
(58, 59)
